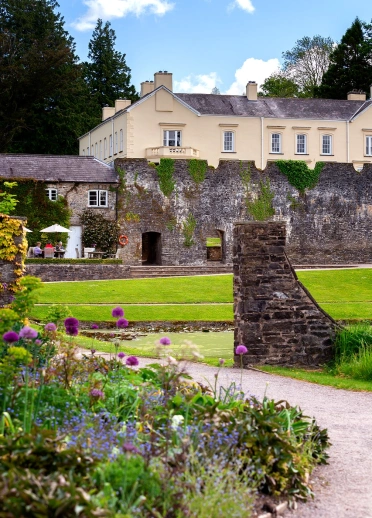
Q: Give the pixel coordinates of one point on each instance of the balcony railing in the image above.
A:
(174, 152)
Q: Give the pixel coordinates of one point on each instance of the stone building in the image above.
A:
(232, 127)
(85, 182)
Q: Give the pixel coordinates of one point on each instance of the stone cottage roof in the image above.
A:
(53, 168)
(273, 107)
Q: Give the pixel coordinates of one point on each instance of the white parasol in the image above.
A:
(27, 229)
(55, 228)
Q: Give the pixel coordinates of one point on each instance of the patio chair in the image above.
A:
(30, 252)
(48, 253)
(86, 252)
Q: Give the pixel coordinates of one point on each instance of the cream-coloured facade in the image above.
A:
(217, 127)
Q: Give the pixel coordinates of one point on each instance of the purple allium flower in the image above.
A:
(50, 327)
(72, 322)
(117, 312)
(94, 326)
(130, 448)
(241, 349)
(221, 361)
(96, 393)
(28, 333)
(122, 322)
(165, 340)
(38, 342)
(10, 337)
(132, 361)
(72, 330)
(93, 352)
(121, 355)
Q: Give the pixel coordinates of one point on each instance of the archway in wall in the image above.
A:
(151, 248)
(216, 246)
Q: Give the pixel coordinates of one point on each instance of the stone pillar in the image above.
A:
(274, 315)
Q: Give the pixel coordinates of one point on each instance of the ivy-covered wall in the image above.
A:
(13, 246)
(328, 223)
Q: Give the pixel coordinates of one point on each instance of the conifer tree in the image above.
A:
(107, 74)
(350, 64)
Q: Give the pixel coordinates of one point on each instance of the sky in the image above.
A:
(207, 43)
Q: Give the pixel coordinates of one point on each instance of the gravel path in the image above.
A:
(343, 488)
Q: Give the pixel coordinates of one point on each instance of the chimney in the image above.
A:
(121, 104)
(147, 87)
(107, 111)
(356, 95)
(251, 91)
(163, 78)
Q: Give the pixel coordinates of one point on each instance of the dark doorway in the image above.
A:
(151, 248)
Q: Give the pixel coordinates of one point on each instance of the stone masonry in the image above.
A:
(275, 317)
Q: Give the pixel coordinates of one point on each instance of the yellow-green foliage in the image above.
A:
(10, 250)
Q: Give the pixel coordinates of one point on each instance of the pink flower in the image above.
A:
(121, 355)
(50, 327)
(241, 349)
(122, 322)
(132, 361)
(165, 340)
(28, 333)
(117, 312)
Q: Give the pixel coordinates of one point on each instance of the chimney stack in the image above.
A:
(107, 111)
(121, 104)
(147, 87)
(251, 91)
(356, 95)
(163, 78)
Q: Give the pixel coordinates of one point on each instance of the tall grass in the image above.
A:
(353, 351)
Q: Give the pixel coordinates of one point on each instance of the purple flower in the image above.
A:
(94, 326)
(165, 340)
(10, 337)
(132, 361)
(38, 342)
(93, 352)
(122, 322)
(117, 312)
(221, 361)
(5, 286)
(72, 322)
(130, 448)
(50, 327)
(96, 393)
(121, 355)
(72, 330)
(241, 349)
(28, 333)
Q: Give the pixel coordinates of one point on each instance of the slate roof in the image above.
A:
(54, 168)
(273, 107)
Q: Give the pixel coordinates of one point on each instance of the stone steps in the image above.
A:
(137, 272)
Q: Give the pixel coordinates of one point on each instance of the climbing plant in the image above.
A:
(261, 208)
(197, 170)
(299, 174)
(11, 249)
(188, 227)
(165, 172)
(99, 232)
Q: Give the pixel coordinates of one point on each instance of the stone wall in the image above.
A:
(77, 272)
(274, 316)
(331, 223)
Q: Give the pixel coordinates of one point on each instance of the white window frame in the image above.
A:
(116, 143)
(105, 148)
(330, 137)
(52, 194)
(100, 150)
(101, 198)
(111, 148)
(121, 140)
(96, 150)
(228, 141)
(298, 144)
(83, 152)
(278, 148)
(170, 136)
(368, 146)
(88, 149)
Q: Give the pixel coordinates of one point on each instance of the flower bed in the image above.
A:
(94, 437)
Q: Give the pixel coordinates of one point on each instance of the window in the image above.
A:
(326, 144)
(52, 194)
(369, 145)
(110, 145)
(116, 142)
(105, 148)
(88, 151)
(276, 143)
(301, 144)
(121, 141)
(100, 150)
(228, 141)
(96, 151)
(172, 138)
(83, 152)
(97, 199)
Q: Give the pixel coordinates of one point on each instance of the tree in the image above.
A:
(306, 63)
(277, 85)
(107, 74)
(215, 91)
(350, 63)
(40, 80)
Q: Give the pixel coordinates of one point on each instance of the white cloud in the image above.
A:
(201, 84)
(252, 70)
(246, 5)
(109, 9)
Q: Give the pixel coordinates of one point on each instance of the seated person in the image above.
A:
(38, 251)
(49, 245)
(59, 251)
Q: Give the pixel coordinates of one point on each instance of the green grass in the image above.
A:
(213, 241)
(143, 313)
(319, 377)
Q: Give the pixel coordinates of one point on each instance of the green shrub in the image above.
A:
(165, 174)
(197, 170)
(299, 174)
(188, 227)
(353, 351)
(262, 208)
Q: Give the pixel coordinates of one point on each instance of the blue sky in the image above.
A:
(209, 42)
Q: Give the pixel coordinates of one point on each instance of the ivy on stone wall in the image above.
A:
(188, 227)
(299, 174)
(10, 249)
(197, 170)
(261, 208)
(99, 232)
(165, 172)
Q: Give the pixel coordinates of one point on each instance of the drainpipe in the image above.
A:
(113, 139)
(262, 143)
(348, 141)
